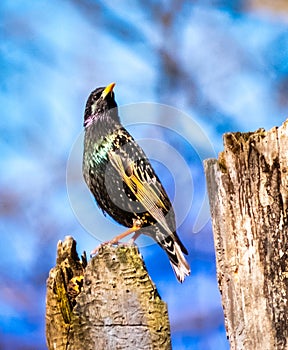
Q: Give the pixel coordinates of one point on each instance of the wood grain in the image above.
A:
(248, 194)
(115, 304)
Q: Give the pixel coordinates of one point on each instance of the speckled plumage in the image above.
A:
(122, 180)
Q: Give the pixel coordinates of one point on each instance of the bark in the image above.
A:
(109, 304)
(248, 194)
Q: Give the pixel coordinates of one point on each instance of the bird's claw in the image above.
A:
(109, 243)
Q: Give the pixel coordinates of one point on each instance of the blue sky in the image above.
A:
(222, 65)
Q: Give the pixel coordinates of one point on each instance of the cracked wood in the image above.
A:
(109, 304)
(248, 194)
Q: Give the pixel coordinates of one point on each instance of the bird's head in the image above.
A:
(100, 104)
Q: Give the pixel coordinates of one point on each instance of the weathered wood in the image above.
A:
(248, 194)
(63, 285)
(112, 302)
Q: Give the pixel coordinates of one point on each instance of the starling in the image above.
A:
(123, 182)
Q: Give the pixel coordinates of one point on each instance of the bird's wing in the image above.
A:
(144, 188)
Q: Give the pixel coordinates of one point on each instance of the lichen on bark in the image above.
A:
(111, 303)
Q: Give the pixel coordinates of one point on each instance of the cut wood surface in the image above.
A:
(109, 304)
(248, 194)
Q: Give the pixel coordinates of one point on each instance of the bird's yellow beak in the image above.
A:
(107, 90)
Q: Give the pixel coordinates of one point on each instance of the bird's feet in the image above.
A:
(116, 240)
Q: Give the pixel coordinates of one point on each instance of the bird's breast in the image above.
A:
(101, 151)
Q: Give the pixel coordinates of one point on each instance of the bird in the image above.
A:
(123, 181)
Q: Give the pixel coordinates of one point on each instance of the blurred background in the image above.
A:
(223, 62)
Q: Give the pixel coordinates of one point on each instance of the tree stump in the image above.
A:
(109, 303)
(248, 194)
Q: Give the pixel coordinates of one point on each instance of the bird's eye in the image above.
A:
(96, 97)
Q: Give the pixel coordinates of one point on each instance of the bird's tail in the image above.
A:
(175, 249)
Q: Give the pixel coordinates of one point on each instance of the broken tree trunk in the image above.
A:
(248, 193)
(109, 303)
